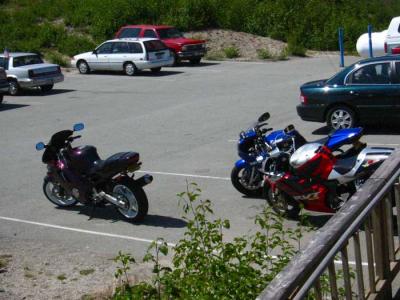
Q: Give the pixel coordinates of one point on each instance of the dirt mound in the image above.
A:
(248, 45)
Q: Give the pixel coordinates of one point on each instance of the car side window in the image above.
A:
(150, 33)
(120, 48)
(129, 33)
(396, 75)
(135, 48)
(4, 63)
(371, 74)
(105, 48)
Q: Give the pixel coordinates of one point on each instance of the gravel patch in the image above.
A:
(44, 270)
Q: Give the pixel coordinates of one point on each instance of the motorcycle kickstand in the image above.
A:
(92, 211)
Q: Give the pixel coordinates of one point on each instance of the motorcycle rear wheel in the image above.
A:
(283, 204)
(137, 204)
(56, 194)
(238, 178)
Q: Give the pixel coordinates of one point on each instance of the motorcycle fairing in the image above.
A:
(369, 158)
(343, 137)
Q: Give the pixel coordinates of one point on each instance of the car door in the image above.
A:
(136, 54)
(99, 60)
(394, 91)
(118, 56)
(367, 87)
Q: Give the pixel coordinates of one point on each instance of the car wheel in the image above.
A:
(13, 88)
(176, 61)
(130, 69)
(341, 117)
(156, 70)
(46, 88)
(195, 61)
(83, 67)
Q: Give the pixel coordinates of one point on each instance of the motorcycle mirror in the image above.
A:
(289, 128)
(78, 126)
(40, 146)
(264, 117)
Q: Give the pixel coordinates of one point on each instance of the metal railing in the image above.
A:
(369, 225)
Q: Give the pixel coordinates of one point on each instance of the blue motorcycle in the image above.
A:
(261, 152)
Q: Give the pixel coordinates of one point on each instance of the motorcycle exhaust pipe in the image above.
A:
(112, 199)
(144, 180)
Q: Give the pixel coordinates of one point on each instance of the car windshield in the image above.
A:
(169, 33)
(154, 45)
(20, 61)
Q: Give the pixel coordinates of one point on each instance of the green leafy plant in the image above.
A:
(264, 53)
(124, 260)
(205, 266)
(57, 58)
(231, 52)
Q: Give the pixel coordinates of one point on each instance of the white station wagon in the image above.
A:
(128, 55)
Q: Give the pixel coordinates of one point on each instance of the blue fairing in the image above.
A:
(241, 163)
(343, 136)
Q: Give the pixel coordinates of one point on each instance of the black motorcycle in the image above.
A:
(77, 174)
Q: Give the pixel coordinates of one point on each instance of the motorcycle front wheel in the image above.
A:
(282, 204)
(240, 180)
(134, 197)
(56, 194)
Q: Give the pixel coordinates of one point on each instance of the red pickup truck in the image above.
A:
(182, 48)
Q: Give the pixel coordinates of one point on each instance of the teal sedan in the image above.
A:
(367, 91)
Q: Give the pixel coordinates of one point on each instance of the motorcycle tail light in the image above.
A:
(303, 99)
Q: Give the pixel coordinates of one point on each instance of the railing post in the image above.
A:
(381, 246)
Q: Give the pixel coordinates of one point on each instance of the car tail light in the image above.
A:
(59, 69)
(385, 47)
(303, 99)
(396, 50)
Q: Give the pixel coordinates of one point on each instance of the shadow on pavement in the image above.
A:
(37, 92)
(372, 129)
(144, 73)
(201, 64)
(109, 213)
(8, 106)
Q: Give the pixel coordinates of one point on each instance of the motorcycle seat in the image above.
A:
(115, 163)
(344, 165)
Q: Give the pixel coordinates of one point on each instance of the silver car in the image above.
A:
(27, 70)
(3, 83)
(128, 55)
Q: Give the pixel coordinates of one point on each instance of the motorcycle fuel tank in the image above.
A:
(83, 157)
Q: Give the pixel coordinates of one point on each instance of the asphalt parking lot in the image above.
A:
(184, 123)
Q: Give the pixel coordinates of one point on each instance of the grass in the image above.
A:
(86, 272)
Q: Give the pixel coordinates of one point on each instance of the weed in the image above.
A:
(86, 272)
(215, 55)
(61, 277)
(57, 58)
(5, 259)
(231, 52)
(264, 53)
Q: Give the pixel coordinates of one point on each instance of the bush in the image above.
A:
(72, 45)
(263, 53)
(296, 46)
(207, 267)
(57, 58)
(231, 52)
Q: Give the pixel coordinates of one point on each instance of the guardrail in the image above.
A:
(369, 223)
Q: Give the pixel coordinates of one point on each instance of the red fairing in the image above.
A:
(319, 166)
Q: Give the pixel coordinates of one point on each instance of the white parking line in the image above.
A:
(185, 175)
(125, 237)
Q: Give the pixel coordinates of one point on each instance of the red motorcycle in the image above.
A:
(319, 180)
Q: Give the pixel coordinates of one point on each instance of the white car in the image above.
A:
(128, 55)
